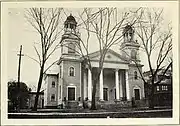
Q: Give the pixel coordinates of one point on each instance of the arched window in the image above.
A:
(135, 75)
(71, 71)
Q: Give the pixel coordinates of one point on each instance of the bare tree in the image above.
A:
(156, 43)
(104, 24)
(46, 22)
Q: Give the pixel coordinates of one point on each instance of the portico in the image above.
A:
(111, 80)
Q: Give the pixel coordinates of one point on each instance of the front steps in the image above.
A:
(103, 104)
(73, 104)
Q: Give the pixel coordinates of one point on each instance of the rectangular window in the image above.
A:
(135, 75)
(164, 88)
(105, 94)
(53, 97)
(157, 88)
(53, 84)
(60, 92)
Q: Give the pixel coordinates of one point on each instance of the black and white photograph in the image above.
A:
(100, 61)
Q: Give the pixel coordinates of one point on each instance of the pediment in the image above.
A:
(111, 56)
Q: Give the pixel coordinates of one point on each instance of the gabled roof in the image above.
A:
(166, 81)
(111, 56)
(160, 72)
(53, 70)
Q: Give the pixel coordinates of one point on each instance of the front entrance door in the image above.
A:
(137, 94)
(71, 93)
(114, 93)
(105, 94)
(42, 103)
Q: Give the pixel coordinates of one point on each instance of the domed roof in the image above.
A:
(128, 28)
(71, 19)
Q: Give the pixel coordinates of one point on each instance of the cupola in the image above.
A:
(70, 23)
(128, 33)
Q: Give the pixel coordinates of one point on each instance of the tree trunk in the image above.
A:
(39, 87)
(151, 98)
(93, 102)
(151, 102)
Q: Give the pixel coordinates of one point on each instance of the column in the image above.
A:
(117, 84)
(101, 85)
(127, 87)
(120, 87)
(85, 84)
(89, 85)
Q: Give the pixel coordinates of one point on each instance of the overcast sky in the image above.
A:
(21, 33)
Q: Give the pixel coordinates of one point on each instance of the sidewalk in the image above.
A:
(91, 111)
(96, 114)
(82, 113)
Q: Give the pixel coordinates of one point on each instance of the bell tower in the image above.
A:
(70, 64)
(70, 39)
(129, 47)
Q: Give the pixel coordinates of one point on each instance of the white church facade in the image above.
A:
(119, 80)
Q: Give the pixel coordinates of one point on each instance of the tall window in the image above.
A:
(60, 92)
(135, 75)
(157, 88)
(71, 71)
(53, 84)
(53, 97)
(71, 48)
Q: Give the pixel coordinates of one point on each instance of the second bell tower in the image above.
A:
(130, 47)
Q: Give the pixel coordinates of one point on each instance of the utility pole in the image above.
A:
(19, 69)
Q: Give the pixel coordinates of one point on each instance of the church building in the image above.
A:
(119, 81)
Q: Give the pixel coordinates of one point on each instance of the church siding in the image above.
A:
(71, 80)
(135, 83)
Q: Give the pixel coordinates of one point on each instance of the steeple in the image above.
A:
(70, 38)
(128, 33)
(70, 24)
(130, 47)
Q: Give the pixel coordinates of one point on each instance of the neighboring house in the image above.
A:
(32, 99)
(71, 81)
(163, 90)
